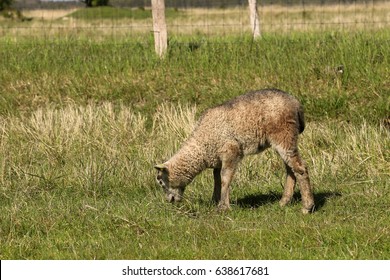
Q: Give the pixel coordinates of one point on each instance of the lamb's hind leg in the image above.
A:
(302, 175)
(288, 187)
(294, 162)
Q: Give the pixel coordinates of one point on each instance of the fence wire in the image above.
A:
(54, 19)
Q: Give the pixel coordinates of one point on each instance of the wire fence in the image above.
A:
(53, 19)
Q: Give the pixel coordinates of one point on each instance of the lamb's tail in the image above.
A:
(301, 120)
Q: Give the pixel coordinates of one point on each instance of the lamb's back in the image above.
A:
(248, 119)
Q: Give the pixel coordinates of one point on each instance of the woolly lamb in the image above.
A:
(247, 124)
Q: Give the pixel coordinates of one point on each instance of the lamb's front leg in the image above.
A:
(231, 156)
(217, 185)
(226, 178)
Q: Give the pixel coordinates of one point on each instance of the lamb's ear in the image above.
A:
(160, 167)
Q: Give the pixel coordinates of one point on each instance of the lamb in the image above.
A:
(247, 124)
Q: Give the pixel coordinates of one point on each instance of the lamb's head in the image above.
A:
(173, 189)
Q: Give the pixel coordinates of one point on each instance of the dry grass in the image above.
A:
(58, 135)
(48, 15)
(64, 136)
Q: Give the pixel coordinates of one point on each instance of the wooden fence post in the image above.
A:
(159, 27)
(254, 19)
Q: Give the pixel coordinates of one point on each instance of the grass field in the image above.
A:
(83, 121)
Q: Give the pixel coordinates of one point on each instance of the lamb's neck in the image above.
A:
(188, 161)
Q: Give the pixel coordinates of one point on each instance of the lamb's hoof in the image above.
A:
(308, 210)
(223, 208)
(284, 201)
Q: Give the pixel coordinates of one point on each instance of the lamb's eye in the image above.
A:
(163, 184)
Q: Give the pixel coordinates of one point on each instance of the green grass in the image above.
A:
(99, 13)
(83, 122)
(203, 72)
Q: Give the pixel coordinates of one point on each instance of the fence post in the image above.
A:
(159, 27)
(254, 19)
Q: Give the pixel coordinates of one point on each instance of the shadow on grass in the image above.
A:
(258, 200)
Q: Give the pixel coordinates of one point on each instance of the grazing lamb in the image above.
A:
(247, 124)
